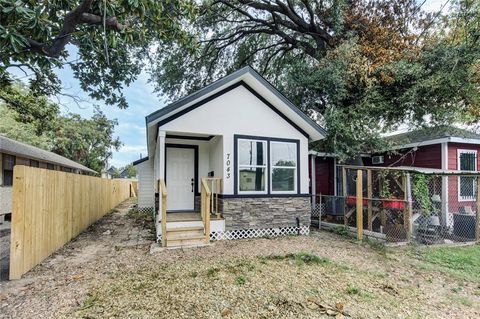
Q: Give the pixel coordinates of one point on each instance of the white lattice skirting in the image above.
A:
(145, 209)
(259, 232)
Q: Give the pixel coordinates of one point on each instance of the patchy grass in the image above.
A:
(341, 230)
(461, 261)
(240, 280)
(142, 219)
(89, 301)
(299, 258)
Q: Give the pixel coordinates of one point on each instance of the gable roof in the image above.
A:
(250, 77)
(433, 135)
(16, 148)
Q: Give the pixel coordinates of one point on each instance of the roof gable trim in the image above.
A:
(225, 90)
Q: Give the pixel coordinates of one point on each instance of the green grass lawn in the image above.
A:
(462, 261)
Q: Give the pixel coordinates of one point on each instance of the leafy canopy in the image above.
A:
(113, 39)
(364, 66)
(87, 141)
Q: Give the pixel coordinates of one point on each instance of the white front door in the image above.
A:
(180, 175)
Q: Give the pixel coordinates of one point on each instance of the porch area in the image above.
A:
(190, 228)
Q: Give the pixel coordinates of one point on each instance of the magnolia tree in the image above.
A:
(112, 40)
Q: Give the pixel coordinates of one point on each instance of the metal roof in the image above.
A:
(16, 148)
(432, 133)
(223, 81)
(422, 170)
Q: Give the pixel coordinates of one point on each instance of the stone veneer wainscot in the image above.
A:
(271, 212)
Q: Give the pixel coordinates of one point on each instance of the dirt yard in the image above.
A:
(108, 272)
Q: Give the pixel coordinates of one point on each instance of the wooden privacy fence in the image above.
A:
(52, 207)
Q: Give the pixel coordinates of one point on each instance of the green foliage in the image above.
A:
(340, 230)
(352, 290)
(421, 192)
(89, 142)
(34, 35)
(129, 171)
(299, 258)
(24, 132)
(240, 280)
(368, 66)
(212, 271)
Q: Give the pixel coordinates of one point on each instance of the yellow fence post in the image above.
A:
(359, 205)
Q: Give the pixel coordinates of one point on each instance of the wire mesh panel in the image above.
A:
(444, 208)
(404, 205)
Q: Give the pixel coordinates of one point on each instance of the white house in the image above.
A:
(237, 148)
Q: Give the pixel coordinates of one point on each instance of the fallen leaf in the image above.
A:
(77, 277)
(226, 312)
(339, 306)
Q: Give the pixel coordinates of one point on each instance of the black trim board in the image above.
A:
(187, 137)
(195, 151)
(236, 137)
(227, 89)
(140, 161)
(261, 195)
(225, 80)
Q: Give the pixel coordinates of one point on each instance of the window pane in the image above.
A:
(467, 187)
(467, 161)
(7, 178)
(252, 179)
(284, 154)
(283, 179)
(34, 163)
(251, 153)
(8, 161)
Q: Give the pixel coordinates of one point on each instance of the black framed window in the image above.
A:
(50, 166)
(34, 163)
(467, 161)
(283, 175)
(252, 166)
(266, 166)
(8, 162)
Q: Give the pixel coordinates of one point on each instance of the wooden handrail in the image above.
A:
(163, 207)
(205, 209)
(210, 188)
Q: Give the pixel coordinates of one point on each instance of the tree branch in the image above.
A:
(75, 17)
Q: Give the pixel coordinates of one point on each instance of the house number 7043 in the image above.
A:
(228, 164)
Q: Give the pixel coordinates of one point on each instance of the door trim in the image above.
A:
(195, 164)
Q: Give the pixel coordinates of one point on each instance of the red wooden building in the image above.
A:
(445, 148)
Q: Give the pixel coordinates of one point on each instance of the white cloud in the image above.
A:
(435, 5)
(134, 149)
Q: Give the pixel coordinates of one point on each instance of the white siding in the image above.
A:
(146, 193)
(239, 112)
(216, 156)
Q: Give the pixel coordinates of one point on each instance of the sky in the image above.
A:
(142, 100)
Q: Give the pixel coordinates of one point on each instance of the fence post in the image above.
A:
(319, 211)
(369, 203)
(18, 229)
(477, 224)
(407, 220)
(359, 205)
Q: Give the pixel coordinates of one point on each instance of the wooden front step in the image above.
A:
(185, 236)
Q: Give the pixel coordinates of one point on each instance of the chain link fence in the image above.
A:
(403, 206)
